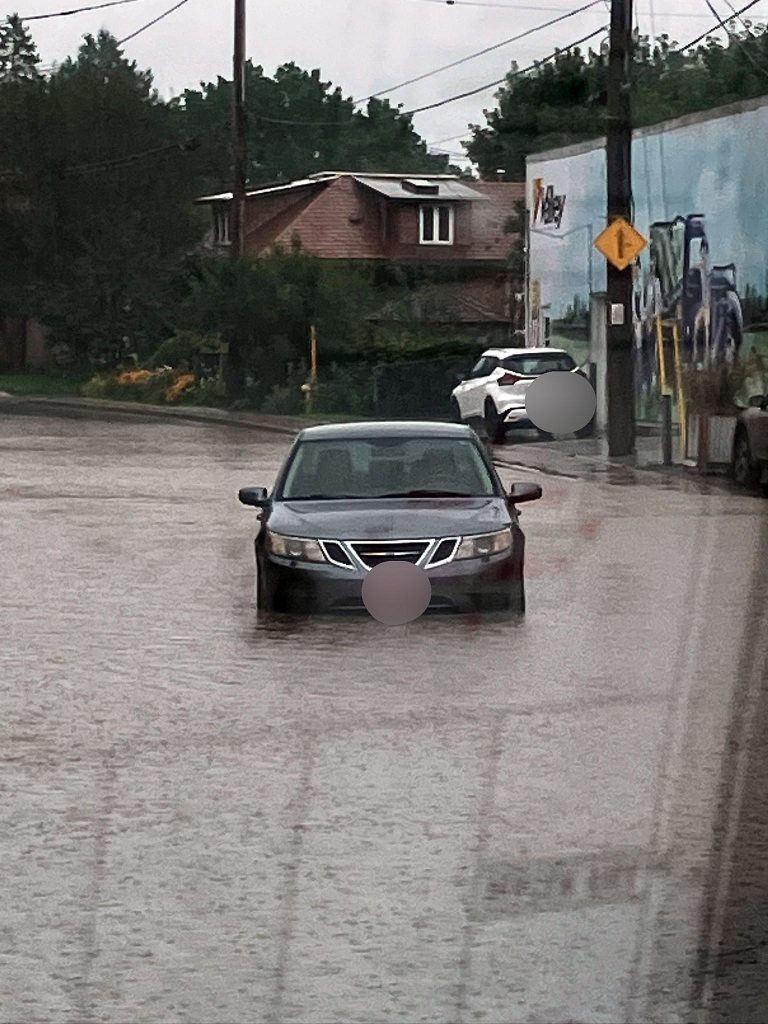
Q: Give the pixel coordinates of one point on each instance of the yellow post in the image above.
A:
(662, 355)
(309, 388)
(681, 406)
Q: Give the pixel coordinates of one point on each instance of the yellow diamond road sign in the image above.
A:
(620, 243)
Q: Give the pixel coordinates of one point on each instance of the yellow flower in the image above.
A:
(182, 384)
(134, 377)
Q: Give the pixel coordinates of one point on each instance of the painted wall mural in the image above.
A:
(699, 194)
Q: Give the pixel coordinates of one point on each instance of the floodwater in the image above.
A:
(209, 818)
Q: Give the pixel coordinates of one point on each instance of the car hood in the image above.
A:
(389, 518)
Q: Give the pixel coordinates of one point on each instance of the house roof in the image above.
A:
(289, 186)
(394, 188)
(449, 186)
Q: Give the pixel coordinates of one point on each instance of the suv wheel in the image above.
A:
(744, 470)
(494, 425)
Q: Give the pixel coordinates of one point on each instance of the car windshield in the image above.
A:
(534, 365)
(387, 468)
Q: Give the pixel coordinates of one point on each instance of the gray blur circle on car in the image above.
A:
(560, 402)
(396, 592)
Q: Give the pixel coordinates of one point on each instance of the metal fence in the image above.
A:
(418, 389)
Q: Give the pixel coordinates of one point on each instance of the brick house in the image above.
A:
(439, 222)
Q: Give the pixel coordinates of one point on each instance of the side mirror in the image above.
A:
(519, 493)
(460, 378)
(257, 497)
(757, 401)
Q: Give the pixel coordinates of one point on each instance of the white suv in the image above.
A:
(495, 389)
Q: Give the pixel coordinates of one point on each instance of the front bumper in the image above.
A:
(467, 585)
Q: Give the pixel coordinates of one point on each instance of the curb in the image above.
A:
(202, 415)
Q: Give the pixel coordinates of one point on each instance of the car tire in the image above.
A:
(744, 469)
(494, 425)
(456, 416)
(517, 598)
(545, 435)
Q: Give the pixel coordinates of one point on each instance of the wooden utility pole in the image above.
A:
(239, 158)
(620, 390)
(234, 374)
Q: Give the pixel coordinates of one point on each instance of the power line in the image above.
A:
(77, 10)
(507, 77)
(679, 50)
(720, 24)
(537, 7)
(450, 99)
(154, 21)
(733, 38)
(481, 53)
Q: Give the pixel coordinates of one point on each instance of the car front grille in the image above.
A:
(373, 553)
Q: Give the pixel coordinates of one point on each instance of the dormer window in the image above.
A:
(221, 223)
(436, 225)
(421, 186)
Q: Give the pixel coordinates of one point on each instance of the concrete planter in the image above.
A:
(709, 440)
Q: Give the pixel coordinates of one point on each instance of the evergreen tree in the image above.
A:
(18, 53)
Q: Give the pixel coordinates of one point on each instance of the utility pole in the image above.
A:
(235, 364)
(620, 391)
(239, 158)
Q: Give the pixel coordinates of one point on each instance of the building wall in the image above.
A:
(711, 164)
(344, 220)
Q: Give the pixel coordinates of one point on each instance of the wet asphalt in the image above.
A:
(206, 817)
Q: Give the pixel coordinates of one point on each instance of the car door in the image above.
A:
(474, 396)
(463, 392)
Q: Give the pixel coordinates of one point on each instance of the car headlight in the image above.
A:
(299, 548)
(484, 544)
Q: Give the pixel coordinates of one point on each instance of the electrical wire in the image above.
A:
(679, 50)
(733, 38)
(154, 21)
(77, 10)
(450, 99)
(481, 53)
(720, 24)
(507, 77)
(535, 7)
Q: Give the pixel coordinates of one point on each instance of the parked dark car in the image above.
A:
(350, 496)
(749, 464)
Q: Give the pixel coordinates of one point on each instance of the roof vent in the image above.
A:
(421, 186)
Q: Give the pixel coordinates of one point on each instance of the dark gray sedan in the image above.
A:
(351, 496)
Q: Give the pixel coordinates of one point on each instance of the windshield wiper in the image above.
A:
(425, 493)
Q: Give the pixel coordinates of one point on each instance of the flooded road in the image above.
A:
(208, 818)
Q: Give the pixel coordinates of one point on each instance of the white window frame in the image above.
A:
(433, 208)
(221, 224)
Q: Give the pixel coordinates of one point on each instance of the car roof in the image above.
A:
(385, 428)
(502, 353)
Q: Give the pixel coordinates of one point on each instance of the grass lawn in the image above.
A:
(38, 384)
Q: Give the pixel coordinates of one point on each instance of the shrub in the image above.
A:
(283, 400)
(183, 348)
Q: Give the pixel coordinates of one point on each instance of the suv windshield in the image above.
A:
(534, 365)
(387, 468)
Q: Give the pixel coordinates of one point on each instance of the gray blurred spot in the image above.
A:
(396, 592)
(560, 402)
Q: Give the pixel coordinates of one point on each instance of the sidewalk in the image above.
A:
(568, 457)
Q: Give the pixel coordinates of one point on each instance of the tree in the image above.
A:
(297, 124)
(113, 195)
(18, 53)
(563, 100)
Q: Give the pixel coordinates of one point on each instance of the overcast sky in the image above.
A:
(363, 47)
